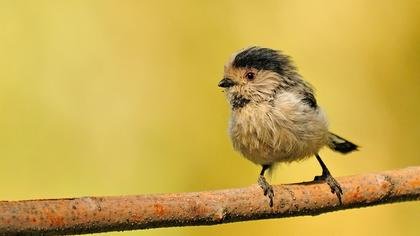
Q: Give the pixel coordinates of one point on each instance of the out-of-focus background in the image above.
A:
(121, 97)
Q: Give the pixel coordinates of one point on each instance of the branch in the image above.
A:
(102, 214)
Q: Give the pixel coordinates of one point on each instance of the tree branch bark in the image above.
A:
(102, 214)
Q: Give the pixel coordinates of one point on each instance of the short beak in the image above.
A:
(226, 83)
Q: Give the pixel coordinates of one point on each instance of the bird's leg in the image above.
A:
(327, 177)
(268, 190)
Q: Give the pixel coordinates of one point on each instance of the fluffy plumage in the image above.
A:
(275, 116)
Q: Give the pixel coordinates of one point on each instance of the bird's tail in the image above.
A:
(339, 144)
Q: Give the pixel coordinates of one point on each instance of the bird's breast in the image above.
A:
(285, 132)
(251, 130)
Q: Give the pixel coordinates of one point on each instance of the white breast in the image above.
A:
(283, 131)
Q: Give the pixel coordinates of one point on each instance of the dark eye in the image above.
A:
(250, 76)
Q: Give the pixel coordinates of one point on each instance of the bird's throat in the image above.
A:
(239, 102)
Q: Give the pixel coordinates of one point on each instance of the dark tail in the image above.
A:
(339, 144)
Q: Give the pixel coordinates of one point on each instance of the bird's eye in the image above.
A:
(250, 76)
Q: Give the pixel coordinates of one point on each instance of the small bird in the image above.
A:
(275, 117)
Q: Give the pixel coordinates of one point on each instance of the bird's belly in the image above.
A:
(281, 148)
(263, 141)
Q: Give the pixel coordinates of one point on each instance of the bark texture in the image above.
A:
(103, 214)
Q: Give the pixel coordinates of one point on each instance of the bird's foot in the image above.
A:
(267, 188)
(333, 183)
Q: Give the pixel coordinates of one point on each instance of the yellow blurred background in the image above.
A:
(120, 97)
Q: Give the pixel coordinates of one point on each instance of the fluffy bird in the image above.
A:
(275, 117)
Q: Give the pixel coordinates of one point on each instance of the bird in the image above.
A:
(275, 117)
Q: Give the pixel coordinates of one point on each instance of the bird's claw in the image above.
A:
(267, 188)
(333, 183)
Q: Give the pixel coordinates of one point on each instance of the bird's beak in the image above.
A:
(226, 83)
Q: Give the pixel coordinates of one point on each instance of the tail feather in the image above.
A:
(339, 144)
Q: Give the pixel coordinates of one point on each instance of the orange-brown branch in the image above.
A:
(101, 214)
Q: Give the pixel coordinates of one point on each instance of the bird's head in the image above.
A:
(256, 74)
